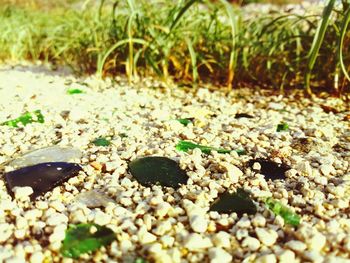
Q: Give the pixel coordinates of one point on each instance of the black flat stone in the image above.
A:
(271, 170)
(238, 202)
(42, 177)
(243, 115)
(155, 170)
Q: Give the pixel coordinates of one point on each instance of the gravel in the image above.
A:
(163, 224)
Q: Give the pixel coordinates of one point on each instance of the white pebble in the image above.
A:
(57, 219)
(195, 242)
(251, 242)
(270, 258)
(36, 257)
(316, 242)
(22, 193)
(327, 169)
(219, 255)
(199, 223)
(267, 236)
(286, 256)
(222, 239)
(296, 245)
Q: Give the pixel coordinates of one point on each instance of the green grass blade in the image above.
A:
(193, 59)
(344, 26)
(235, 27)
(181, 13)
(101, 63)
(317, 42)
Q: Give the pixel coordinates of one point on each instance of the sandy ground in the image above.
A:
(161, 224)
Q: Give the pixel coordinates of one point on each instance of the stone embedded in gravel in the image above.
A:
(93, 199)
(84, 238)
(153, 170)
(271, 170)
(101, 142)
(282, 127)
(74, 91)
(238, 202)
(185, 121)
(46, 155)
(26, 118)
(42, 177)
(243, 115)
(288, 215)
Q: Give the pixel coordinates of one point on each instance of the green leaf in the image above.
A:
(286, 213)
(101, 142)
(153, 170)
(74, 91)
(185, 121)
(282, 127)
(140, 260)
(184, 146)
(25, 119)
(239, 202)
(84, 238)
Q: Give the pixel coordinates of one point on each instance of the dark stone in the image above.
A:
(238, 202)
(243, 115)
(155, 170)
(42, 177)
(271, 170)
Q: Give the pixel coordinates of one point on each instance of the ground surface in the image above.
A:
(154, 223)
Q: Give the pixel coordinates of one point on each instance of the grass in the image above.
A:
(189, 41)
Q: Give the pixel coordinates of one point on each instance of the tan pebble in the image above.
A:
(20, 233)
(222, 239)
(56, 236)
(219, 255)
(21, 222)
(313, 256)
(167, 241)
(304, 168)
(316, 242)
(6, 231)
(241, 233)
(146, 237)
(195, 242)
(259, 220)
(15, 259)
(270, 258)
(233, 172)
(33, 214)
(286, 256)
(244, 222)
(57, 205)
(296, 245)
(36, 257)
(267, 236)
(327, 169)
(162, 209)
(56, 219)
(256, 166)
(22, 193)
(42, 205)
(126, 245)
(162, 228)
(199, 223)
(251, 242)
(155, 248)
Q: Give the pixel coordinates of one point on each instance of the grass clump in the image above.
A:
(191, 41)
